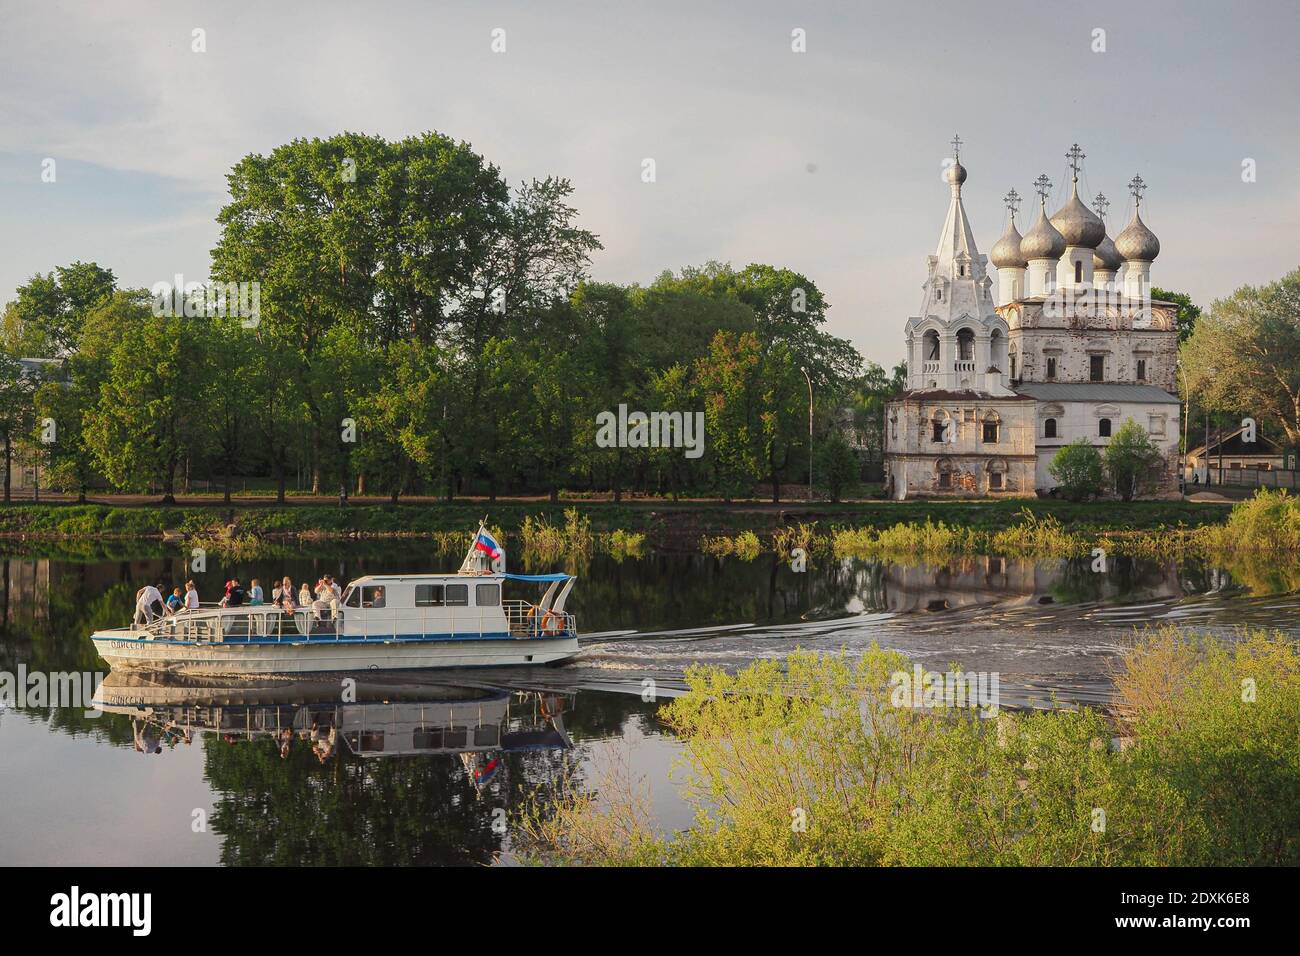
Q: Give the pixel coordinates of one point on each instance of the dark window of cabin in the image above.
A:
(1049, 428)
(428, 595)
(1051, 366)
(454, 737)
(366, 740)
(1096, 368)
(487, 595)
(353, 598)
(373, 595)
(487, 735)
(457, 595)
(426, 738)
(1103, 428)
(1142, 370)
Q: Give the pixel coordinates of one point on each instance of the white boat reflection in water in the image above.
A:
(372, 717)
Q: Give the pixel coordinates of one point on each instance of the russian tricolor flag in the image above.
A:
(487, 544)
(485, 774)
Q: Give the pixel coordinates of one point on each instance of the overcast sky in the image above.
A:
(827, 161)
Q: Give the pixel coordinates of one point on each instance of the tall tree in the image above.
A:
(356, 228)
(148, 418)
(56, 304)
(1187, 314)
(1244, 356)
(15, 412)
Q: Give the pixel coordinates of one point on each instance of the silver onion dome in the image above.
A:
(1042, 241)
(1006, 252)
(1137, 242)
(955, 174)
(1077, 223)
(1106, 256)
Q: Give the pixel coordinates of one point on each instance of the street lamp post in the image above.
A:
(810, 432)
(1187, 414)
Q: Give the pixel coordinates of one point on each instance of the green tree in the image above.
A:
(837, 465)
(1078, 470)
(1187, 314)
(1245, 354)
(55, 305)
(355, 228)
(1133, 461)
(15, 412)
(148, 417)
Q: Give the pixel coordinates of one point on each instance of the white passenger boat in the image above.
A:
(383, 622)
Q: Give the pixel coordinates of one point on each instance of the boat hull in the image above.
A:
(127, 650)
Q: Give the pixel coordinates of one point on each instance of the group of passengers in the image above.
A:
(150, 597)
(323, 600)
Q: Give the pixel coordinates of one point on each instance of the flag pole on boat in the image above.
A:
(482, 544)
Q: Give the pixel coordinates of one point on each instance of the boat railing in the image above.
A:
(270, 622)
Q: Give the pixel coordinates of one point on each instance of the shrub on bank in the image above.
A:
(810, 763)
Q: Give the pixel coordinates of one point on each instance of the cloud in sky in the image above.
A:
(826, 161)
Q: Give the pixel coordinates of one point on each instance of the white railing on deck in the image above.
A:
(521, 619)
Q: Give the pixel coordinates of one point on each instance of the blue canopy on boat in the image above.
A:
(537, 577)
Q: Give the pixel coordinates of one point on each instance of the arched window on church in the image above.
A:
(965, 345)
(931, 340)
(1049, 428)
(1103, 427)
(939, 427)
(991, 427)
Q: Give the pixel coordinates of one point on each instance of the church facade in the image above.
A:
(1067, 343)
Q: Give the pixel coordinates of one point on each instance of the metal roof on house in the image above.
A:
(1095, 392)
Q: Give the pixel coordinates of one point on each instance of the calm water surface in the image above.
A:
(420, 767)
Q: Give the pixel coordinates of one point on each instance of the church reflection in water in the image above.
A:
(1010, 583)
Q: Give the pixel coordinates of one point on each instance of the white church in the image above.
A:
(1069, 344)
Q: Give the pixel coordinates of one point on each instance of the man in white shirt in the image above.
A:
(145, 599)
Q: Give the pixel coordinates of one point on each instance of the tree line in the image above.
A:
(424, 328)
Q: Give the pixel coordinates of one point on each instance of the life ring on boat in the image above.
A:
(552, 623)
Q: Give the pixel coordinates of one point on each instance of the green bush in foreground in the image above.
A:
(1209, 774)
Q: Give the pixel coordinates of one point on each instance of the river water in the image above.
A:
(428, 768)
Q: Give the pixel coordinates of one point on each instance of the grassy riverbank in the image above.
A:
(659, 520)
(818, 760)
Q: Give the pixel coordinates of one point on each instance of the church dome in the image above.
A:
(1006, 252)
(955, 174)
(1042, 241)
(1077, 223)
(1137, 242)
(1107, 256)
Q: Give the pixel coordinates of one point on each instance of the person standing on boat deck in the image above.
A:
(145, 599)
(191, 596)
(304, 595)
(255, 593)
